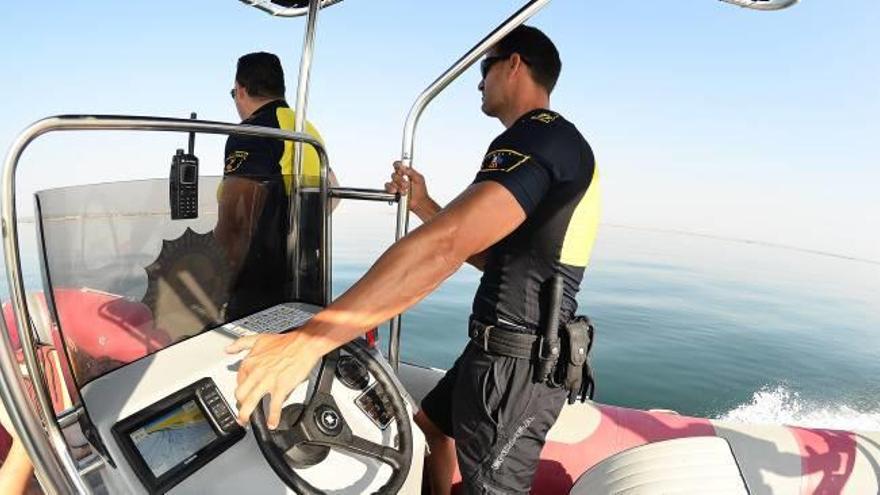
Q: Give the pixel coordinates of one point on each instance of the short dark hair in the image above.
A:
(537, 50)
(261, 75)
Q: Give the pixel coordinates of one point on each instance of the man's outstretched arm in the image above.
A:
(407, 272)
(405, 180)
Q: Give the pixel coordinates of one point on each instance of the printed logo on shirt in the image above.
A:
(545, 117)
(502, 160)
(234, 160)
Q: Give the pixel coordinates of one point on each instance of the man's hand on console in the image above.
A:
(274, 365)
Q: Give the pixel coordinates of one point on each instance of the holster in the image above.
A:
(573, 370)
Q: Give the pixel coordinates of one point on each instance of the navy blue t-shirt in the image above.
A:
(548, 166)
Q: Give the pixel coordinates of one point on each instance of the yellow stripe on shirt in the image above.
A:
(581, 233)
(311, 163)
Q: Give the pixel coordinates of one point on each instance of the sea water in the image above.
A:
(704, 326)
(709, 327)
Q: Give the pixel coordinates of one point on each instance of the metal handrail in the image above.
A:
(278, 11)
(299, 124)
(762, 4)
(363, 194)
(69, 416)
(57, 470)
(415, 112)
(47, 466)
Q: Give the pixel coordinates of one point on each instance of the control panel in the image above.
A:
(352, 373)
(169, 440)
(375, 404)
(217, 407)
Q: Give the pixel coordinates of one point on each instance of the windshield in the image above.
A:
(127, 280)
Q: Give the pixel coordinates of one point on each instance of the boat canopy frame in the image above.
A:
(38, 428)
(276, 10)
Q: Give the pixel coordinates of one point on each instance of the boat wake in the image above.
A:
(780, 405)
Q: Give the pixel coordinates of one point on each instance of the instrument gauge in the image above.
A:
(352, 373)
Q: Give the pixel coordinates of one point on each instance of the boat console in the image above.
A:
(169, 440)
(168, 424)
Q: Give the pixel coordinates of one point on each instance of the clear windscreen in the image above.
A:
(129, 244)
(127, 280)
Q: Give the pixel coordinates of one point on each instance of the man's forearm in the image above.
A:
(402, 276)
(427, 210)
(415, 265)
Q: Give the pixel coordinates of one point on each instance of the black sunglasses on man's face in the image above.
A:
(232, 93)
(487, 63)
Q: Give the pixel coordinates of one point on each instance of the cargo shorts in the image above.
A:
(498, 417)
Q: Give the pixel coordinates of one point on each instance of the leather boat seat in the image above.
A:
(697, 465)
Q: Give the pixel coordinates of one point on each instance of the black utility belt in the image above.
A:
(497, 340)
(562, 363)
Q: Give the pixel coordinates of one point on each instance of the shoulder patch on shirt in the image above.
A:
(545, 117)
(502, 160)
(234, 160)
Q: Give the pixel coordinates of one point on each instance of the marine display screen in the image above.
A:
(166, 442)
(170, 439)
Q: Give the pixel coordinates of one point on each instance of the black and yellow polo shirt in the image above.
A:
(261, 157)
(548, 166)
(269, 163)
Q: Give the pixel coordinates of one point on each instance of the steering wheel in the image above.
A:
(308, 431)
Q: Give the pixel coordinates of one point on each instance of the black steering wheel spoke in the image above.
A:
(327, 373)
(308, 431)
(362, 446)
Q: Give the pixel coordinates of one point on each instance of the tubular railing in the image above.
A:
(278, 11)
(39, 429)
(415, 113)
(294, 240)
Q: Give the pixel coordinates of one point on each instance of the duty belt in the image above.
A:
(497, 340)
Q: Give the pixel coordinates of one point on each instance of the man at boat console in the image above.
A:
(528, 219)
(257, 180)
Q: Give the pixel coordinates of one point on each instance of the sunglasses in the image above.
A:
(232, 93)
(487, 63)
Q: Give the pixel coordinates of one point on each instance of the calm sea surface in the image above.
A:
(703, 326)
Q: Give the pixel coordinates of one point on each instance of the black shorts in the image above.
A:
(498, 417)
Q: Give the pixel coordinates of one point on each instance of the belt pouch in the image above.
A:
(578, 378)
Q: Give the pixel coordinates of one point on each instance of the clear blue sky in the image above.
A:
(704, 117)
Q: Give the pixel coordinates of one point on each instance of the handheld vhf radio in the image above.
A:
(183, 182)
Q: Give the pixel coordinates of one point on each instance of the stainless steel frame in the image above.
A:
(277, 11)
(409, 130)
(39, 430)
(53, 475)
(762, 4)
(302, 95)
(415, 112)
(362, 194)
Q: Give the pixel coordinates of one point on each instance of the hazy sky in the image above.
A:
(704, 117)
